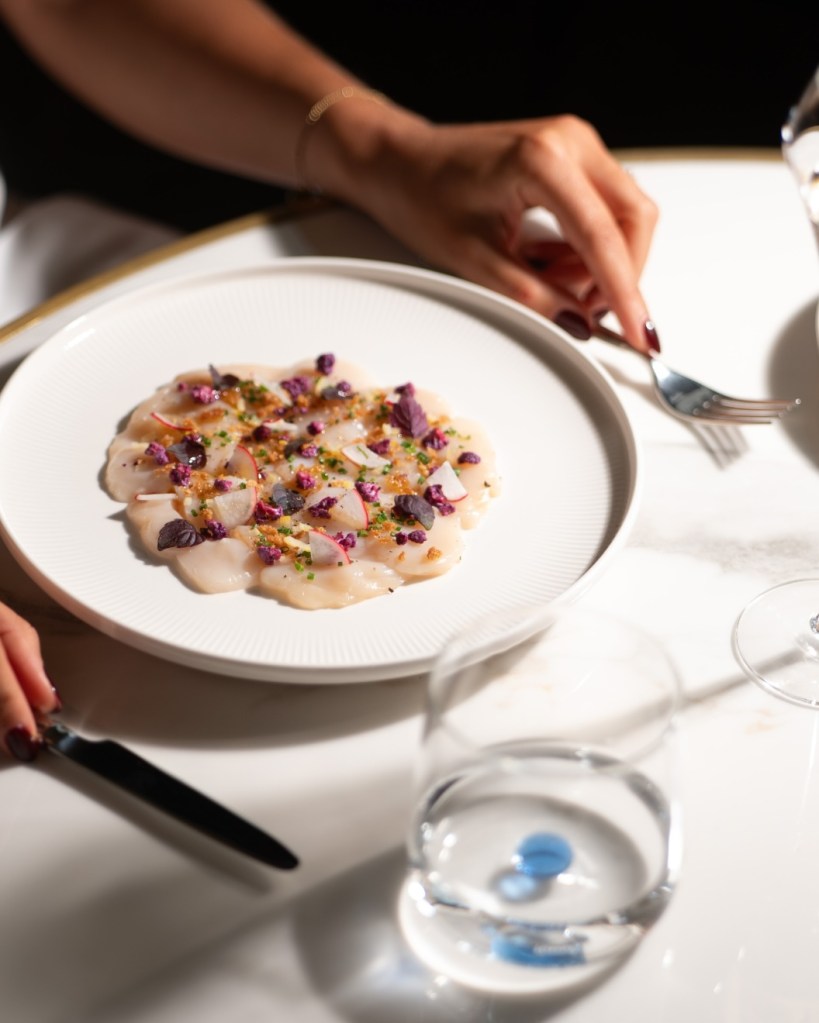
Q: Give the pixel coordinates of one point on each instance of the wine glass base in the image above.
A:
(776, 641)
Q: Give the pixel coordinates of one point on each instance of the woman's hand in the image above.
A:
(25, 689)
(457, 196)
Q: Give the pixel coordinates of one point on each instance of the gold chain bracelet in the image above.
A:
(314, 115)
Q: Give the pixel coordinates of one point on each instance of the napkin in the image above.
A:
(50, 244)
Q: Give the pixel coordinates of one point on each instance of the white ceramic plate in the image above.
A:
(566, 456)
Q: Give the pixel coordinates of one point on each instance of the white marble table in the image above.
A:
(109, 913)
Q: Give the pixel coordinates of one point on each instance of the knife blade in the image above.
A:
(140, 778)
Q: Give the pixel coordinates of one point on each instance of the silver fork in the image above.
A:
(691, 400)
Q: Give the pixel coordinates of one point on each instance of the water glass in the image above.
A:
(546, 834)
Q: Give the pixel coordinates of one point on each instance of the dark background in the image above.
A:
(653, 75)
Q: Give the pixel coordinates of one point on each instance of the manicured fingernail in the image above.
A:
(574, 324)
(599, 314)
(21, 744)
(650, 332)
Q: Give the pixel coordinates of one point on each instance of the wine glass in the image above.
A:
(776, 637)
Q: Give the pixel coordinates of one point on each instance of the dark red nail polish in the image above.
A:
(650, 332)
(21, 744)
(574, 324)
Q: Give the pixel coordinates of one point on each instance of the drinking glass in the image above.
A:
(776, 637)
(545, 839)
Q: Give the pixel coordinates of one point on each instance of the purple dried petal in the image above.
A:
(417, 536)
(288, 500)
(380, 447)
(158, 453)
(181, 475)
(304, 480)
(325, 363)
(189, 451)
(181, 386)
(435, 496)
(469, 458)
(222, 381)
(308, 450)
(368, 492)
(222, 485)
(177, 533)
(265, 512)
(321, 509)
(296, 386)
(407, 389)
(214, 530)
(269, 555)
(401, 539)
(409, 417)
(262, 432)
(435, 439)
(315, 428)
(204, 394)
(413, 506)
(345, 540)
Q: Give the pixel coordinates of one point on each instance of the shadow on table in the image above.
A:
(357, 960)
(793, 369)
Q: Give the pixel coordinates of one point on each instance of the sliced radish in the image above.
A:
(351, 511)
(360, 454)
(166, 422)
(242, 463)
(155, 497)
(324, 550)
(447, 479)
(235, 507)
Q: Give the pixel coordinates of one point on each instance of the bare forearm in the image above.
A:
(221, 82)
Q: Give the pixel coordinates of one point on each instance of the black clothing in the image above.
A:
(695, 78)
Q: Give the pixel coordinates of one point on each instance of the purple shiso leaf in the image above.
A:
(178, 533)
(411, 506)
(288, 500)
(189, 452)
(409, 417)
(222, 381)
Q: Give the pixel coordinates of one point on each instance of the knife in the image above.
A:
(144, 780)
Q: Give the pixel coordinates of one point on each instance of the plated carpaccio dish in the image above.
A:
(307, 484)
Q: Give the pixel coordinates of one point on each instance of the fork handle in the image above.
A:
(603, 333)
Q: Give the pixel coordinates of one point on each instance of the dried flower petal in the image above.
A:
(368, 492)
(296, 386)
(417, 536)
(204, 394)
(214, 530)
(158, 453)
(435, 496)
(435, 439)
(325, 363)
(321, 509)
(265, 512)
(181, 475)
(345, 540)
(469, 458)
(269, 555)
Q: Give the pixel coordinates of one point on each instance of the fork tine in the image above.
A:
(731, 415)
(773, 405)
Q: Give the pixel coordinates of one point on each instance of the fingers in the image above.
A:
(484, 264)
(25, 689)
(602, 215)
